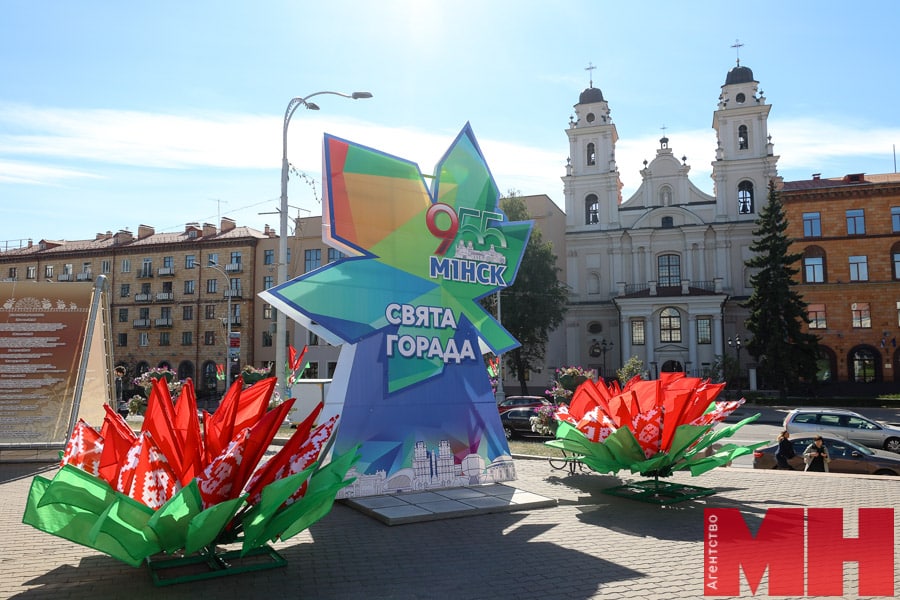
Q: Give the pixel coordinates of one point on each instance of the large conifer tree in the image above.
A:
(785, 354)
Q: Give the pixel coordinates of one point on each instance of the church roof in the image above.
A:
(739, 74)
(590, 95)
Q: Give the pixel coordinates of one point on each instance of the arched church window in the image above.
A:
(591, 210)
(743, 141)
(668, 223)
(745, 198)
(670, 325)
(668, 272)
(591, 155)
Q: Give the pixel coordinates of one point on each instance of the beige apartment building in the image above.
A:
(173, 296)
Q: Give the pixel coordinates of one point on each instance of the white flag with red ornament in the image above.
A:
(84, 449)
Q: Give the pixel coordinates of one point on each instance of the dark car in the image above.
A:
(846, 456)
(517, 422)
(521, 402)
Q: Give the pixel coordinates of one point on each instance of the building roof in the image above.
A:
(739, 74)
(590, 95)
(850, 180)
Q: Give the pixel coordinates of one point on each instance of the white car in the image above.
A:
(844, 423)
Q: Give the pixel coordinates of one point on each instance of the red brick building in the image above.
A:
(848, 231)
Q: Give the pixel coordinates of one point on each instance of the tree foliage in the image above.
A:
(536, 303)
(785, 354)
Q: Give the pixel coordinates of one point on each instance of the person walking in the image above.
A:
(121, 405)
(785, 451)
(816, 456)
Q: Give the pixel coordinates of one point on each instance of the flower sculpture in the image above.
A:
(649, 427)
(173, 489)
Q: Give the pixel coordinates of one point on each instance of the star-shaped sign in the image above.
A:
(417, 259)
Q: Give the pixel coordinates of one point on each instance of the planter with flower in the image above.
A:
(544, 420)
(653, 428)
(147, 379)
(251, 374)
(566, 380)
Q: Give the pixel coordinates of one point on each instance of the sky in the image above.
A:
(163, 113)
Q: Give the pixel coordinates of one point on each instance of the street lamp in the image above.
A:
(281, 319)
(736, 343)
(227, 293)
(600, 349)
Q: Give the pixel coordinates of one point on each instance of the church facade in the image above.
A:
(660, 275)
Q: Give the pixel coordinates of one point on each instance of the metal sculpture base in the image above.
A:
(655, 491)
(210, 563)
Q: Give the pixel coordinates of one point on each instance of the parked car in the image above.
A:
(517, 422)
(844, 423)
(521, 402)
(846, 456)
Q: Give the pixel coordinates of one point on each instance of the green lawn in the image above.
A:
(532, 446)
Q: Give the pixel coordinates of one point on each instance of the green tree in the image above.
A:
(536, 303)
(785, 354)
(633, 366)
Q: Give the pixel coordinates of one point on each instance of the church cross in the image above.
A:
(737, 48)
(590, 69)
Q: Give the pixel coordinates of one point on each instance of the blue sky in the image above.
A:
(162, 113)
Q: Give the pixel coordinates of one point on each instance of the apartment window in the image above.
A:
(209, 311)
(637, 332)
(67, 269)
(168, 262)
(209, 338)
(312, 339)
(813, 265)
(122, 340)
(123, 315)
(235, 258)
(167, 287)
(212, 259)
(147, 267)
(189, 286)
(268, 257)
(669, 270)
(212, 285)
(591, 210)
(190, 261)
(187, 313)
(105, 266)
(165, 312)
(12, 273)
(334, 254)
(144, 313)
(143, 339)
(268, 312)
(895, 219)
(312, 371)
(856, 222)
(816, 315)
(812, 224)
(145, 289)
(859, 269)
(187, 338)
(48, 272)
(266, 339)
(895, 259)
(125, 290)
(126, 265)
(704, 330)
(164, 338)
(313, 259)
(669, 325)
(31, 272)
(860, 315)
(268, 281)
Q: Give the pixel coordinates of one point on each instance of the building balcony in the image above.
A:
(232, 293)
(145, 274)
(170, 271)
(163, 322)
(143, 297)
(142, 323)
(65, 277)
(87, 276)
(684, 287)
(163, 296)
(234, 268)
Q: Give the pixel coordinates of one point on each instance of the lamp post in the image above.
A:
(736, 343)
(600, 349)
(281, 318)
(216, 267)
